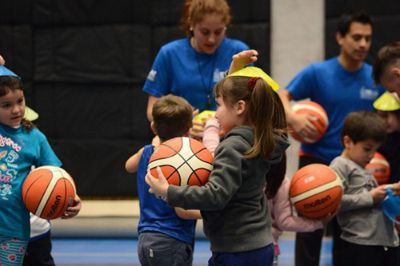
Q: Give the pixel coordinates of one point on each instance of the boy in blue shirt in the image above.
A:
(166, 234)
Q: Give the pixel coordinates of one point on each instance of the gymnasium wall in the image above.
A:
(83, 63)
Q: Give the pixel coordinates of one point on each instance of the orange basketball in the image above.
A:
(315, 191)
(48, 191)
(321, 121)
(379, 167)
(183, 161)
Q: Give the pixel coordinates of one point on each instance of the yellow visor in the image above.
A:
(387, 102)
(256, 72)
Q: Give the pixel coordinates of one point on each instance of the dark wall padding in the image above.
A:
(83, 63)
(385, 16)
(105, 53)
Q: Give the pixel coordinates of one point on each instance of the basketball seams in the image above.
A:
(316, 190)
(311, 192)
(321, 123)
(188, 163)
(47, 193)
(311, 106)
(184, 166)
(331, 202)
(24, 196)
(47, 190)
(378, 161)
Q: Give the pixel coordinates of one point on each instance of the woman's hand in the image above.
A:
(158, 186)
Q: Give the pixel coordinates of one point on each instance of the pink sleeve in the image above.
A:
(283, 213)
(211, 137)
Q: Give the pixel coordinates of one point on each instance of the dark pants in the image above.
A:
(361, 255)
(156, 249)
(38, 252)
(259, 257)
(308, 244)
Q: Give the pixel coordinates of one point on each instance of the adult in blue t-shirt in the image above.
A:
(341, 85)
(190, 67)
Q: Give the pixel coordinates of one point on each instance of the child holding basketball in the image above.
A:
(277, 192)
(233, 205)
(22, 146)
(368, 235)
(166, 234)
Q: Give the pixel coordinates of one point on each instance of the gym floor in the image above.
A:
(104, 233)
(117, 252)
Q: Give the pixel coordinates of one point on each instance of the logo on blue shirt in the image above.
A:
(368, 94)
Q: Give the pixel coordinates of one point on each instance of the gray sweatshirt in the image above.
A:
(362, 222)
(233, 204)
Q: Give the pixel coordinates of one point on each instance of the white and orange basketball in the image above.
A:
(316, 191)
(321, 121)
(183, 161)
(379, 167)
(48, 191)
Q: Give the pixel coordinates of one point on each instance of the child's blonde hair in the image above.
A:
(264, 112)
(11, 83)
(172, 117)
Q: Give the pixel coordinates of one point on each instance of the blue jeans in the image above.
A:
(258, 257)
(155, 249)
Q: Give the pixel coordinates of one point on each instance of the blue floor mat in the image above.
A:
(116, 252)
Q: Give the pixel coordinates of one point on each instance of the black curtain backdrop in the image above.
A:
(83, 64)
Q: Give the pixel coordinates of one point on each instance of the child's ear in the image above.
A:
(396, 72)
(240, 107)
(347, 141)
(153, 127)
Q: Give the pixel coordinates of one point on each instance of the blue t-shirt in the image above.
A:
(180, 70)
(155, 214)
(19, 151)
(339, 92)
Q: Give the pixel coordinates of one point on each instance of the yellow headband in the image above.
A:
(256, 72)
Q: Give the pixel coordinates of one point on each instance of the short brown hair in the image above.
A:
(195, 10)
(364, 125)
(172, 117)
(387, 55)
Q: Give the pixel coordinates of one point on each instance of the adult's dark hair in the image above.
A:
(387, 55)
(364, 125)
(343, 26)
